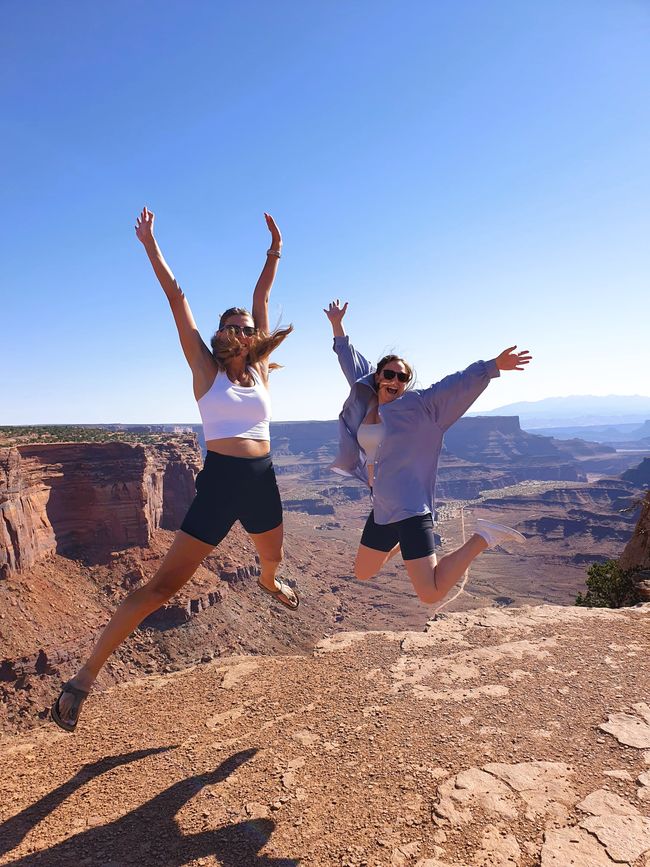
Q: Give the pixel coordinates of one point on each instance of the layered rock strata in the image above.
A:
(26, 534)
(87, 499)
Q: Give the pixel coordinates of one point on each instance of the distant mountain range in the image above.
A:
(578, 411)
(618, 435)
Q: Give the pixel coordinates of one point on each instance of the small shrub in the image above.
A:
(609, 586)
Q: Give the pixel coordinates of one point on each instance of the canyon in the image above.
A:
(83, 523)
(496, 730)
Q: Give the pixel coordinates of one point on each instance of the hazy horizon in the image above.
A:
(643, 414)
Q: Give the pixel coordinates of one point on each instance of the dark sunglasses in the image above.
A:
(246, 330)
(391, 374)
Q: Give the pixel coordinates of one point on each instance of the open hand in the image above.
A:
(276, 237)
(335, 312)
(511, 360)
(144, 226)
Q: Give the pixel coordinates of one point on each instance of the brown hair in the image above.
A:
(381, 364)
(227, 346)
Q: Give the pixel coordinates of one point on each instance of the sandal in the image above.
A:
(283, 593)
(80, 696)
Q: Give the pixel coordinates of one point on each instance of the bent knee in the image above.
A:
(362, 574)
(161, 587)
(159, 593)
(428, 596)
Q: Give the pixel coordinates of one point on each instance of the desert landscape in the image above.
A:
(85, 521)
(494, 730)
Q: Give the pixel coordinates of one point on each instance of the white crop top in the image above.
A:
(369, 437)
(229, 410)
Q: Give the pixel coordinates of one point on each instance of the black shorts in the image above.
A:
(415, 536)
(230, 489)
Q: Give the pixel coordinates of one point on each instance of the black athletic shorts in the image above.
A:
(415, 536)
(230, 489)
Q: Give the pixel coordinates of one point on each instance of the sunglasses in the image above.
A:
(246, 330)
(391, 374)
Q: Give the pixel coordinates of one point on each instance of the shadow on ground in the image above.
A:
(148, 835)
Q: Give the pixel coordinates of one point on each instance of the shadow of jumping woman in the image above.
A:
(14, 830)
(150, 835)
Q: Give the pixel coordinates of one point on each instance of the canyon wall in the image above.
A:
(26, 534)
(637, 550)
(87, 499)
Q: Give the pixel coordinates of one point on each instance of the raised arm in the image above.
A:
(335, 314)
(353, 364)
(264, 284)
(450, 398)
(194, 349)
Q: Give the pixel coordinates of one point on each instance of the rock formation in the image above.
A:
(26, 533)
(87, 499)
(637, 551)
(639, 476)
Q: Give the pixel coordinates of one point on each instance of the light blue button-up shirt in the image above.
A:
(414, 424)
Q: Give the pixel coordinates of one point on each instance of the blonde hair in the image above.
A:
(226, 345)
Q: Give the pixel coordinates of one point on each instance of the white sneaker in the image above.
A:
(496, 534)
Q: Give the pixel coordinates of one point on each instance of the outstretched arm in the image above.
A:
(353, 364)
(264, 284)
(193, 346)
(450, 398)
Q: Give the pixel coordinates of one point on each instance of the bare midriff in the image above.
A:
(371, 474)
(238, 447)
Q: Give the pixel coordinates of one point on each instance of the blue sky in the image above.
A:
(468, 175)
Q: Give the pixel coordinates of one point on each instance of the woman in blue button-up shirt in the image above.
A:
(402, 429)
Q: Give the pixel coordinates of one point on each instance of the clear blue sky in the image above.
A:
(468, 175)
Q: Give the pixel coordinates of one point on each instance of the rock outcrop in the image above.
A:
(26, 533)
(87, 499)
(490, 739)
(636, 554)
(639, 476)
(637, 551)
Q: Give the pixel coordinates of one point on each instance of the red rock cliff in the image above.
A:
(87, 499)
(26, 534)
(637, 551)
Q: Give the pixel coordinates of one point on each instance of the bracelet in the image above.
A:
(271, 252)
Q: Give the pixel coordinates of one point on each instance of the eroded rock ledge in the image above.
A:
(90, 498)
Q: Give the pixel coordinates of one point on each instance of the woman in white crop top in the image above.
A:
(237, 481)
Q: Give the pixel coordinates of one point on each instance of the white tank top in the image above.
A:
(229, 410)
(369, 436)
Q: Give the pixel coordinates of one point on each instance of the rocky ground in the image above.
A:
(492, 738)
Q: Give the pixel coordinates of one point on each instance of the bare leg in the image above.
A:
(369, 561)
(180, 563)
(432, 581)
(394, 552)
(269, 550)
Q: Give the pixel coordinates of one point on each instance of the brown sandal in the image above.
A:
(283, 593)
(80, 696)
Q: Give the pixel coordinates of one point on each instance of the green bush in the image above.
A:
(608, 586)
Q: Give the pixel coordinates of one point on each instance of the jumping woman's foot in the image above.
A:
(496, 534)
(281, 591)
(65, 710)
